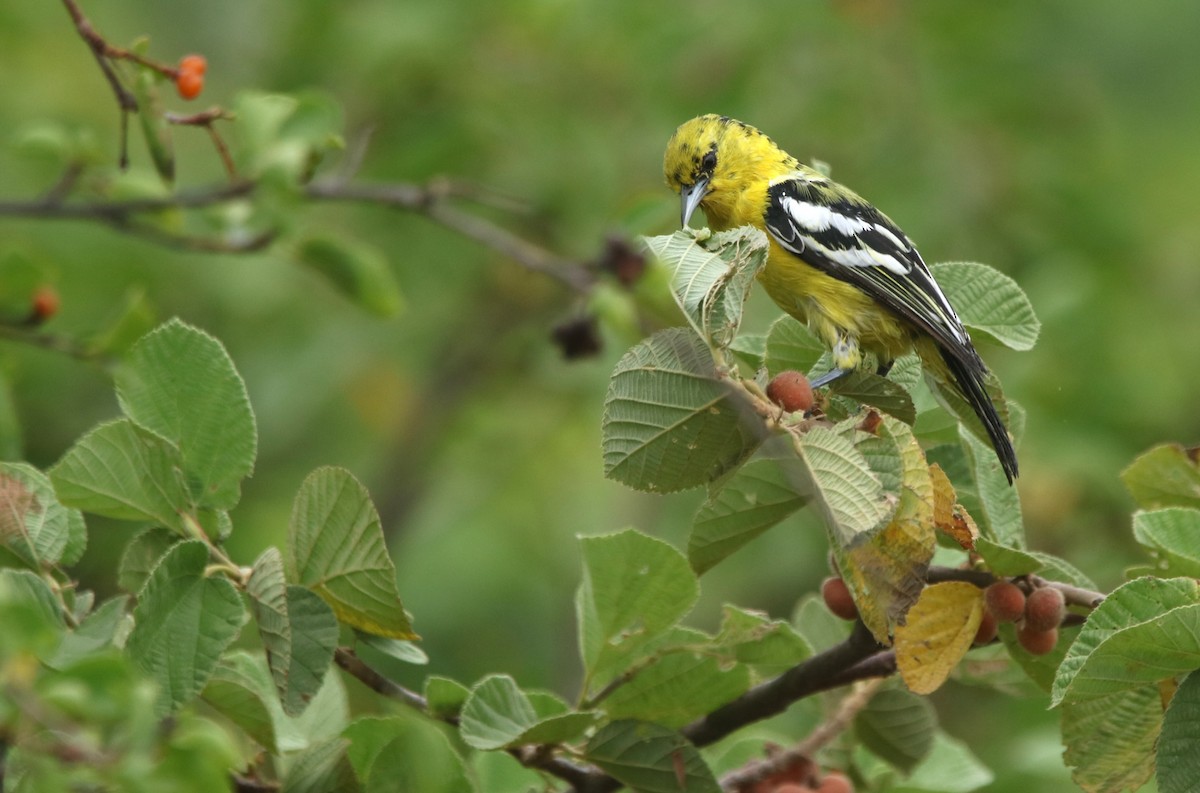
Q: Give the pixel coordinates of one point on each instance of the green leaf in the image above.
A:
(445, 697)
(668, 423)
(359, 272)
(712, 276)
(988, 300)
(326, 716)
(1173, 536)
(132, 320)
(77, 538)
(336, 548)
(179, 383)
(1041, 669)
(322, 768)
(758, 496)
(676, 689)
(498, 714)
(1165, 476)
(298, 630)
(404, 754)
(155, 127)
(1146, 630)
(898, 726)
(141, 557)
(868, 388)
(1005, 561)
(634, 589)
(26, 586)
(120, 470)
(950, 767)
(33, 524)
(791, 346)
(97, 632)
(650, 758)
(999, 512)
(768, 647)
(1177, 765)
(839, 481)
(241, 690)
(183, 622)
(1110, 740)
(397, 649)
(750, 348)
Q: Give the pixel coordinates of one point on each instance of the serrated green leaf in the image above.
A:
(1137, 635)
(359, 272)
(758, 496)
(131, 321)
(768, 647)
(1177, 764)
(1165, 476)
(336, 548)
(988, 300)
(999, 512)
(750, 348)
(1005, 561)
(676, 689)
(24, 585)
(404, 754)
(1173, 536)
(241, 690)
(498, 714)
(650, 758)
(950, 767)
(712, 276)
(155, 128)
(326, 716)
(668, 423)
(299, 632)
(868, 388)
(179, 383)
(445, 697)
(33, 524)
(898, 726)
(77, 539)
(1110, 740)
(1040, 669)
(840, 484)
(96, 632)
(322, 768)
(634, 589)
(141, 557)
(120, 470)
(791, 346)
(396, 649)
(183, 622)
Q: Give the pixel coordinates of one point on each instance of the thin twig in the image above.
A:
(347, 660)
(1073, 595)
(100, 49)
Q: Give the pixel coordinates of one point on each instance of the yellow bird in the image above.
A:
(836, 262)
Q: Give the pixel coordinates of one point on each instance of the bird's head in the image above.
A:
(711, 160)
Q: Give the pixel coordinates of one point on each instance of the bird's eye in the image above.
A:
(710, 161)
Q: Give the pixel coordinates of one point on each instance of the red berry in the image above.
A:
(836, 782)
(837, 598)
(1044, 609)
(1037, 642)
(189, 84)
(195, 64)
(987, 629)
(45, 303)
(791, 391)
(1005, 600)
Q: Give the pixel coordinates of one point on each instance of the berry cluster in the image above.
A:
(1039, 615)
(189, 80)
(803, 777)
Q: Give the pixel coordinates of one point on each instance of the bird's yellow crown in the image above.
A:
(730, 157)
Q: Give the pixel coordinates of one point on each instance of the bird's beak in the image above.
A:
(692, 195)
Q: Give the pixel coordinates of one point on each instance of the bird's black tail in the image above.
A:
(968, 376)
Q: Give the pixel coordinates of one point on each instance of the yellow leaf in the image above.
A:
(937, 634)
(948, 515)
(886, 573)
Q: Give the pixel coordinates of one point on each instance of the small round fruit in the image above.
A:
(987, 629)
(836, 782)
(1005, 600)
(45, 303)
(837, 598)
(189, 84)
(791, 391)
(791, 787)
(196, 64)
(1044, 609)
(1037, 642)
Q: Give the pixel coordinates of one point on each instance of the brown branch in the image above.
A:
(1073, 595)
(375, 681)
(101, 50)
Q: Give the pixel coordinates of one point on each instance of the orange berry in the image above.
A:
(45, 303)
(189, 84)
(987, 629)
(1044, 609)
(836, 782)
(1037, 642)
(791, 391)
(837, 598)
(195, 64)
(1005, 600)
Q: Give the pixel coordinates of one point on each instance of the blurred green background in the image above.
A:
(1057, 142)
